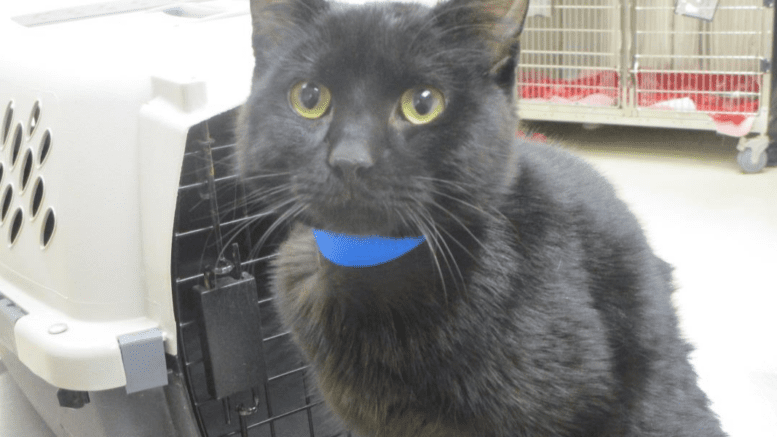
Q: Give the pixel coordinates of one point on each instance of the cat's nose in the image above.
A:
(349, 157)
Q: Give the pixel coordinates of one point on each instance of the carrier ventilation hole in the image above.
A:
(45, 147)
(34, 118)
(26, 168)
(7, 119)
(16, 225)
(1, 171)
(37, 197)
(7, 197)
(16, 144)
(49, 225)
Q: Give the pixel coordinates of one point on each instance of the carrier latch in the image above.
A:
(230, 330)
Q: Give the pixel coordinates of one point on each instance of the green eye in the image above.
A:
(422, 105)
(310, 99)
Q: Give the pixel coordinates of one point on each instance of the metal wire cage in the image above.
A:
(216, 235)
(693, 64)
(574, 44)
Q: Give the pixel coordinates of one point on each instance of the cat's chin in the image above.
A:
(358, 223)
(362, 229)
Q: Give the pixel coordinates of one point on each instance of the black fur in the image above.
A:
(536, 308)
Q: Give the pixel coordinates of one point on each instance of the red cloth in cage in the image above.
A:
(731, 100)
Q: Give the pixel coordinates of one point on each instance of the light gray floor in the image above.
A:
(717, 226)
(17, 417)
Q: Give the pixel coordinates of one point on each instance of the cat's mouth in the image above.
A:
(355, 218)
(364, 206)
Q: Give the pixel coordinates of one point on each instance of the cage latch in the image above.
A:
(766, 65)
(230, 330)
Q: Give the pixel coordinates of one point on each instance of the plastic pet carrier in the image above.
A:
(693, 64)
(132, 299)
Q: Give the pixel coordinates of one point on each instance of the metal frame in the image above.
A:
(627, 40)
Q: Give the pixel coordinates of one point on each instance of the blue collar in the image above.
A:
(362, 251)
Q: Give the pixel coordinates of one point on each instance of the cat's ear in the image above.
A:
(499, 23)
(274, 20)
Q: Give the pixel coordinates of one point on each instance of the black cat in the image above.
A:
(534, 307)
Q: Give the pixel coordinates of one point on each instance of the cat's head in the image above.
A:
(384, 118)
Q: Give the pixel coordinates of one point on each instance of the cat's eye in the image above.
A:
(422, 105)
(309, 99)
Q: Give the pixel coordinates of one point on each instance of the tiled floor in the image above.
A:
(717, 226)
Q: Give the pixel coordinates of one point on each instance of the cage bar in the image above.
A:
(638, 62)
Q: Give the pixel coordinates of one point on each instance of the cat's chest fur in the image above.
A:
(360, 352)
(396, 354)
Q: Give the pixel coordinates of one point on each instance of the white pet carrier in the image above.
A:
(118, 316)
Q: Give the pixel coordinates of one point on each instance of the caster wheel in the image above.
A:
(744, 158)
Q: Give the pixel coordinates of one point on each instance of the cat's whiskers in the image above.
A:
(456, 184)
(233, 234)
(227, 188)
(447, 256)
(432, 231)
(458, 243)
(431, 241)
(460, 187)
(248, 179)
(463, 226)
(259, 197)
(248, 196)
(287, 216)
(245, 204)
(474, 207)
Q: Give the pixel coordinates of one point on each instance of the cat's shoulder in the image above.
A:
(552, 167)
(557, 184)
